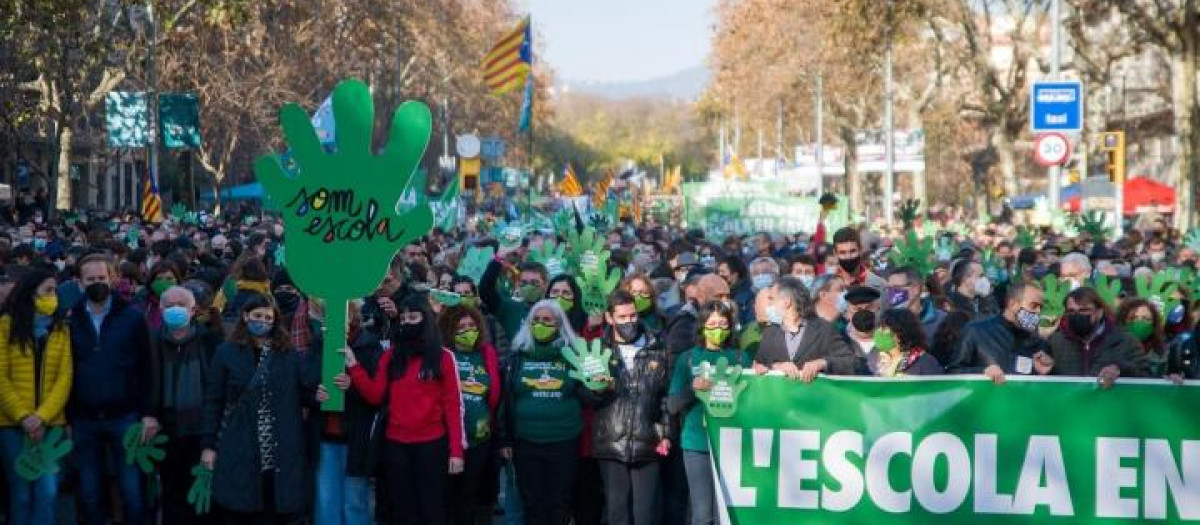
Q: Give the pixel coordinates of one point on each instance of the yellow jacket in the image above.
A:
(17, 383)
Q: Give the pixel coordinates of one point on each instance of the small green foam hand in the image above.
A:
(1192, 240)
(945, 249)
(589, 363)
(914, 252)
(596, 288)
(552, 255)
(200, 495)
(351, 205)
(1093, 222)
(475, 262)
(1109, 290)
(42, 457)
(1054, 302)
(1160, 291)
(908, 212)
(600, 221)
(992, 268)
(929, 228)
(509, 234)
(145, 455)
(721, 399)
(445, 297)
(564, 223)
(1026, 237)
(587, 253)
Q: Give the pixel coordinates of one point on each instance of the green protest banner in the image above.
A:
(959, 450)
(724, 208)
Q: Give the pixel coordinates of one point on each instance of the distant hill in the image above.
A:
(685, 85)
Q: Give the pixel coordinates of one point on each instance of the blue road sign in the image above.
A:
(1056, 106)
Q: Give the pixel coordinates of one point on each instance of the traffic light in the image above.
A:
(1113, 144)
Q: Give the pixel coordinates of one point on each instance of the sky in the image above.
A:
(621, 40)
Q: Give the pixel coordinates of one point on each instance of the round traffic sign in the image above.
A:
(1051, 149)
(467, 146)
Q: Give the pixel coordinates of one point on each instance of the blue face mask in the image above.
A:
(176, 317)
(774, 316)
(807, 280)
(841, 303)
(259, 328)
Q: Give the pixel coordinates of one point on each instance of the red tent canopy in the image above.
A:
(1142, 195)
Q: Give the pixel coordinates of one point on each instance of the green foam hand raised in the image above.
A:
(445, 297)
(1054, 302)
(200, 495)
(600, 221)
(1094, 222)
(1026, 237)
(564, 223)
(349, 206)
(721, 399)
(914, 252)
(1109, 290)
(145, 455)
(1160, 291)
(908, 212)
(589, 363)
(475, 263)
(944, 251)
(42, 457)
(509, 234)
(587, 253)
(596, 288)
(1192, 240)
(552, 255)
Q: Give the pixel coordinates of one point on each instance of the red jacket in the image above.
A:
(418, 411)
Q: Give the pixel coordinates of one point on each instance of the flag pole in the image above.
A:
(532, 94)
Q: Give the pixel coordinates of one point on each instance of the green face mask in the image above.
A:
(716, 336)
(544, 333)
(642, 304)
(530, 293)
(565, 303)
(469, 301)
(161, 285)
(1140, 329)
(885, 340)
(465, 340)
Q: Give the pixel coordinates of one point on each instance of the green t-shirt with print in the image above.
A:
(687, 368)
(475, 384)
(546, 406)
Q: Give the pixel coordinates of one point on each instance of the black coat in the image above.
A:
(820, 341)
(993, 340)
(231, 401)
(178, 376)
(112, 368)
(631, 418)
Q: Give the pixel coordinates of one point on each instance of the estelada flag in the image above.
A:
(510, 60)
(569, 186)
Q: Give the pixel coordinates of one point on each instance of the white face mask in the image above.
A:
(983, 287)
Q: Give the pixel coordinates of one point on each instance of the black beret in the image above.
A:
(862, 294)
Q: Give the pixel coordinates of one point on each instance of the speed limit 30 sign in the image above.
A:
(1051, 149)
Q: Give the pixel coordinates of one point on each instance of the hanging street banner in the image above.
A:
(954, 450)
(126, 119)
(724, 208)
(179, 114)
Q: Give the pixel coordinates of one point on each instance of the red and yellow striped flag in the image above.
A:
(569, 186)
(151, 202)
(600, 192)
(510, 60)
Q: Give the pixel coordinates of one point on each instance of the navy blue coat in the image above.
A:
(113, 367)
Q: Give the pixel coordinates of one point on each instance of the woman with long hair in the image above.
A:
(35, 382)
(162, 276)
(1142, 320)
(544, 415)
(900, 347)
(253, 433)
(417, 381)
(479, 380)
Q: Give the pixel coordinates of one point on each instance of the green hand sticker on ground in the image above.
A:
(200, 495)
(551, 255)
(914, 252)
(1054, 301)
(721, 399)
(145, 455)
(475, 262)
(41, 458)
(589, 363)
(1160, 291)
(1109, 290)
(342, 206)
(596, 289)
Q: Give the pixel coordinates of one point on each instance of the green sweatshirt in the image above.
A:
(687, 367)
(545, 404)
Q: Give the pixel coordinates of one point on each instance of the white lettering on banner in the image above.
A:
(988, 500)
(1111, 477)
(959, 470)
(879, 459)
(1043, 459)
(1163, 476)
(836, 458)
(794, 470)
(731, 470)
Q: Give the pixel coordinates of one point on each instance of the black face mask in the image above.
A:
(850, 265)
(628, 331)
(408, 332)
(97, 292)
(1081, 325)
(287, 301)
(863, 321)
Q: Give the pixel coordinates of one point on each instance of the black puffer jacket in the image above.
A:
(1183, 355)
(994, 340)
(631, 418)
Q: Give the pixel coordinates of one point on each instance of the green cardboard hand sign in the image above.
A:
(1054, 301)
(445, 297)
(589, 363)
(475, 262)
(1160, 291)
(344, 206)
(914, 252)
(1026, 237)
(551, 255)
(908, 212)
(1109, 290)
(200, 495)
(1094, 222)
(41, 458)
(721, 399)
(509, 234)
(145, 455)
(945, 249)
(596, 289)
(564, 223)
(1192, 240)
(587, 252)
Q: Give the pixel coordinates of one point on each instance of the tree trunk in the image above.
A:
(854, 184)
(1006, 155)
(1187, 127)
(66, 146)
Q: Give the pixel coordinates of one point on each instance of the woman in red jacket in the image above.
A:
(479, 379)
(417, 380)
